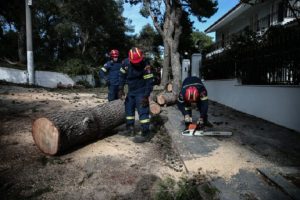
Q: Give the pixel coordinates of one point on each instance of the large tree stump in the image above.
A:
(61, 131)
(166, 98)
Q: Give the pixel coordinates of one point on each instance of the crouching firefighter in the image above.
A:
(137, 73)
(193, 91)
(110, 72)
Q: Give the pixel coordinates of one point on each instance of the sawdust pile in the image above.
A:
(226, 161)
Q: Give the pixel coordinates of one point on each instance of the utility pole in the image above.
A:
(30, 63)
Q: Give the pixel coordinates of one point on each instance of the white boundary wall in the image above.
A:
(42, 78)
(277, 104)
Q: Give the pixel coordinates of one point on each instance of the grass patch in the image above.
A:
(184, 189)
(44, 160)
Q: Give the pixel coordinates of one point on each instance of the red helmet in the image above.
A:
(114, 53)
(135, 55)
(191, 94)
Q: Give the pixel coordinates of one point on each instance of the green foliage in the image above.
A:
(186, 43)
(202, 9)
(258, 59)
(9, 40)
(203, 43)
(149, 40)
(65, 29)
(184, 189)
(86, 84)
(74, 67)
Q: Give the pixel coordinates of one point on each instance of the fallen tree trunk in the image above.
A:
(166, 98)
(61, 131)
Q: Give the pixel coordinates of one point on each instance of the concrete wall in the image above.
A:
(13, 75)
(277, 104)
(42, 78)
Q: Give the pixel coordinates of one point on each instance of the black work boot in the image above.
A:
(130, 131)
(142, 137)
(208, 124)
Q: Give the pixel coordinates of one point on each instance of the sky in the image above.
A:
(132, 12)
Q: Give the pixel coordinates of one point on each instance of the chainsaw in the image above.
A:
(194, 130)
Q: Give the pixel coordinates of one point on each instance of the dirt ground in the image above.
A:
(114, 167)
(111, 168)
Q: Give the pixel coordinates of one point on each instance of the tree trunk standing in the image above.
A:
(85, 40)
(61, 131)
(165, 33)
(166, 64)
(174, 43)
(170, 33)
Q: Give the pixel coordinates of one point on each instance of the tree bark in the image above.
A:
(165, 32)
(170, 33)
(166, 98)
(61, 131)
(174, 43)
(166, 64)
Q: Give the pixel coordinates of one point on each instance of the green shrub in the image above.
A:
(184, 189)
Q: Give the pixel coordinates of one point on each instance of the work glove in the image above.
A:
(145, 101)
(188, 119)
(121, 94)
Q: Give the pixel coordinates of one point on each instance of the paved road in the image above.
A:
(233, 163)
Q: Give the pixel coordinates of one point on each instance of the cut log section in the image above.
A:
(60, 131)
(166, 98)
(158, 88)
(154, 108)
(169, 87)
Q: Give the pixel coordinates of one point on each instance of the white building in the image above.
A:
(257, 17)
(279, 104)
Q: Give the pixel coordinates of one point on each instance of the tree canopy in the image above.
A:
(64, 29)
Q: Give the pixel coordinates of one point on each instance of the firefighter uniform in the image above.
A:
(139, 79)
(202, 103)
(110, 72)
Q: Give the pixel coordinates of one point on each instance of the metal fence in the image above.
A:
(273, 61)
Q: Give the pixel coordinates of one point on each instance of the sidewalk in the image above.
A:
(243, 165)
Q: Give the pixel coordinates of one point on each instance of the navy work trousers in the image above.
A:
(132, 102)
(113, 92)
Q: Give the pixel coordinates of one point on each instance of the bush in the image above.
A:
(75, 66)
(84, 83)
(184, 189)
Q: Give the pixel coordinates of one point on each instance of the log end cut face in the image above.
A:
(46, 136)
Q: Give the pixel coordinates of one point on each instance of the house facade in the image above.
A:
(256, 17)
(261, 78)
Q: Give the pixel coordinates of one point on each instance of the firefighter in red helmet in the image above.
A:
(110, 72)
(137, 73)
(193, 91)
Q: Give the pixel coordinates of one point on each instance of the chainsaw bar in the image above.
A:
(205, 133)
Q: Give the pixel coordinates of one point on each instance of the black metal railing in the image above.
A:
(274, 60)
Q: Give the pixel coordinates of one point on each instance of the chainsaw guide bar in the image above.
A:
(205, 133)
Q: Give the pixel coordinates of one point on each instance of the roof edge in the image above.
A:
(223, 17)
